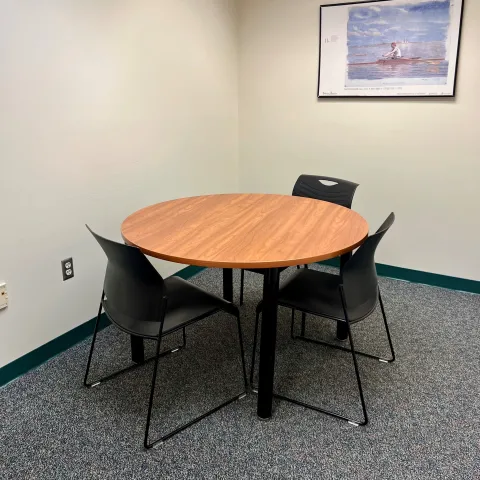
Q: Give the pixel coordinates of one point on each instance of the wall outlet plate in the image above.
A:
(67, 269)
(3, 296)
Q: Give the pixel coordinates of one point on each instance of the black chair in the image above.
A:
(138, 301)
(328, 189)
(349, 298)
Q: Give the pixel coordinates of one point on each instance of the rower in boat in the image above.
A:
(394, 53)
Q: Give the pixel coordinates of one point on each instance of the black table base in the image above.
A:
(267, 343)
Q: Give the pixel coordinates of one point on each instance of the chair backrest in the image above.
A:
(133, 288)
(328, 189)
(359, 275)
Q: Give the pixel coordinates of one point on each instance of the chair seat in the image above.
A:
(262, 271)
(186, 303)
(318, 293)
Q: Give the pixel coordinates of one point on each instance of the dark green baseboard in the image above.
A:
(417, 276)
(58, 345)
(64, 342)
(51, 349)
(189, 272)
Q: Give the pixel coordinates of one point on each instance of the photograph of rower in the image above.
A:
(398, 41)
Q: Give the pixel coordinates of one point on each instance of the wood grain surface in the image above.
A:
(245, 230)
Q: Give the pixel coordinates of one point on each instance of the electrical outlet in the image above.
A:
(3, 296)
(67, 269)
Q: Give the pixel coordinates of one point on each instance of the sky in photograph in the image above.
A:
(382, 22)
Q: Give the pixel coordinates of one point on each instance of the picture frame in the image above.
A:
(389, 48)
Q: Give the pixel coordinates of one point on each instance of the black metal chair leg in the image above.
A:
(363, 354)
(152, 392)
(356, 423)
(131, 367)
(255, 336)
(242, 353)
(342, 333)
(94, 338)
(95, 383)
(184, 338)
(162, 439)
(355, 363)
(242, 285)
(392, 359)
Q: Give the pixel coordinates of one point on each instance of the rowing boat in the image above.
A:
(401, 61)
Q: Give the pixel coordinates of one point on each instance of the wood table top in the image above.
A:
(245, 230)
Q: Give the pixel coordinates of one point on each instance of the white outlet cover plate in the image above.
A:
(3, 296)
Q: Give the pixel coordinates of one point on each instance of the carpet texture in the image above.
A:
(424, 408)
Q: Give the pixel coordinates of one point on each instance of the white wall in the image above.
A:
(105, 107)
(419, 158)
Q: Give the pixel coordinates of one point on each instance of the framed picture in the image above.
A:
(389, 48)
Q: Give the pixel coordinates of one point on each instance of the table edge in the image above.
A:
(246, 265)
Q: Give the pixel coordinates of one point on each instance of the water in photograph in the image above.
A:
(431, 63)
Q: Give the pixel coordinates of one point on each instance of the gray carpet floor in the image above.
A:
(424, 409)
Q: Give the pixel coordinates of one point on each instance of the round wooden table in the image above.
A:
(247, 231)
